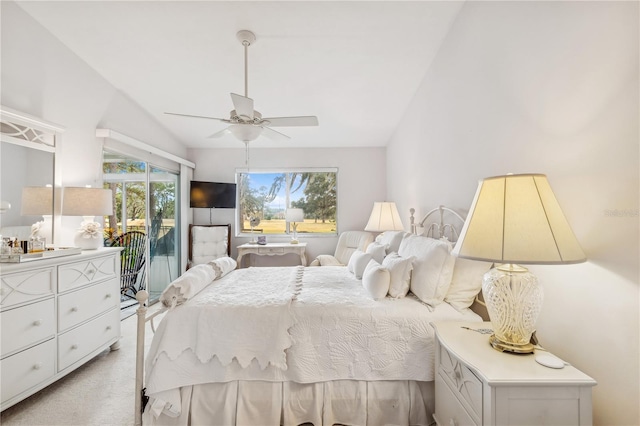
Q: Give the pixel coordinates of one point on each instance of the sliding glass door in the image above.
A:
(145, 202)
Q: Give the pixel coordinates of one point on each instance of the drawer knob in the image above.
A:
(74, 346)
(108, 296)
(37, 366)
(74, 309)
(91, 271)
(37, 322)
(458, 375)
(108, 327)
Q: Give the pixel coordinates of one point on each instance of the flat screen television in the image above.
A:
(212, 195)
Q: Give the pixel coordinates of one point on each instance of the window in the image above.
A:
(264, 196)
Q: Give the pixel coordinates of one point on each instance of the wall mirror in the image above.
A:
(28, 187)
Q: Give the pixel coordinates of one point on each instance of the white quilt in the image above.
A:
(337, 332)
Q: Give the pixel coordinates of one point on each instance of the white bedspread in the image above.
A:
(337, 332)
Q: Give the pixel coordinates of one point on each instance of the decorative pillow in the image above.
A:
(358, 262)
(377, 251)
(376, 280)
(466, 282)
(400, 272)
(391, 239)
(432, 267)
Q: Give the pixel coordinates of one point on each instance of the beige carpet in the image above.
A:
(98, 393)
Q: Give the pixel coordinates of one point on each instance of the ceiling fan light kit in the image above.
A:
(247, 124)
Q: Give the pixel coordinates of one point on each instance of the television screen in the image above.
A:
(213, 195)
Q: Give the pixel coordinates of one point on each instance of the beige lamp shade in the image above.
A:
(384, 217)
(516, 219)
(294, 215)
(78, 201)
(37, 201)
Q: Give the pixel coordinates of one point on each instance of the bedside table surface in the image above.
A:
(496, 367)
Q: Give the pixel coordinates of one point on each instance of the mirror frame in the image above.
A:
(35, 133)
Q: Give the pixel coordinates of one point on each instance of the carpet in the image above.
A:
(99, 393)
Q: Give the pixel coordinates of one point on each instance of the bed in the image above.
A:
(306, 345)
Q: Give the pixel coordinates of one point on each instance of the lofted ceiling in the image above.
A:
(354, 65)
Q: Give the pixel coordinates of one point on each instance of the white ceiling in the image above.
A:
(355, 65)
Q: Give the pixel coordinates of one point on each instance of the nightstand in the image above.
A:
(477, 385)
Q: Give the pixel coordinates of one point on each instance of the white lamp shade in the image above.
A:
(294, 215)
(384, 217)
(78, 201)
(517, 219)
(245, 132)
(37, 201)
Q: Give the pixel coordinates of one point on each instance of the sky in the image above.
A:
(266, 179)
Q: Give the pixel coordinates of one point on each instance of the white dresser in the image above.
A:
(478, 385)
(56, 314)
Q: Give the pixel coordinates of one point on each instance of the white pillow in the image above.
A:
(376, 280)
(358, 262)
(466, 282)
(432, 267)
(391, 239)
(400, 271)
(377, 251)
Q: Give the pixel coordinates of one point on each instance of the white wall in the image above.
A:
(361, 181)
(547, 87)
(42, 77)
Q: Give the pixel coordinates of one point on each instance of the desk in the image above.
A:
(272, 249)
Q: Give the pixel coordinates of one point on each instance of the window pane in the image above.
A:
(265, 197)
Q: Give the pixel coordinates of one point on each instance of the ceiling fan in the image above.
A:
(248, 124)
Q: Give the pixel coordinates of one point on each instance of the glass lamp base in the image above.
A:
(514, 299)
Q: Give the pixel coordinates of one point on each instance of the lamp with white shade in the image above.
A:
(514, 220)
(88, 203)
(38, 201)
(294, 216)
(384, 217)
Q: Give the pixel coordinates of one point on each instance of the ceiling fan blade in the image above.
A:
(243, 106)
(309, 120)
(273, 135)
(220, 134)
(199, 116)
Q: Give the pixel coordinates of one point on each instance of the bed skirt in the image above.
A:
(348, 402)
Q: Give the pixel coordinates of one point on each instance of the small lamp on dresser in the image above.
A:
(38, 201)
(294, 216)
(88, 203)
(514, 220)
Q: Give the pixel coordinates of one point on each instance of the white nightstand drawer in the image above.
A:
(271, 250)
(464, 384)
(77, 274)
(26, 369)
(449, 410)
(81, 341)
(80, 305)
(26, 325)
(23, 287)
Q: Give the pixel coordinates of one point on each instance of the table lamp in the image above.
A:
(294, 216)
(514, 220)
(88, 203)
(38, 201)
(384, 217)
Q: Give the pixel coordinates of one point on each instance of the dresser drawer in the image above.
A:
(22, 287)
(449, 410)
(77, 274)
(80, 342)
(26, 325)
(27, 369)
(462, 382)
(271, 250)
(80, 305)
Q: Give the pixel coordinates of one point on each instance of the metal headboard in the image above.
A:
(438, 229)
